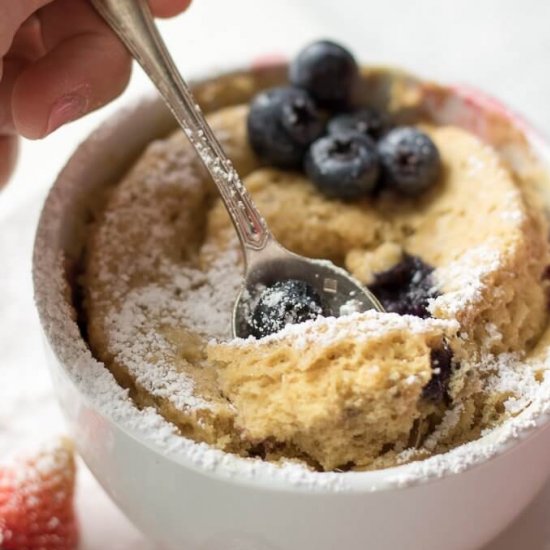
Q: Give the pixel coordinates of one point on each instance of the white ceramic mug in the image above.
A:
(185, 496)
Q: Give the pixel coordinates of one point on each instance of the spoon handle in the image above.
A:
(133, 22)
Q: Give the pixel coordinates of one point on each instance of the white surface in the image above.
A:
(500, 45)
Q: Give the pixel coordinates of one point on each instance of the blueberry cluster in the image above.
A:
(312, 125)
(406, 288)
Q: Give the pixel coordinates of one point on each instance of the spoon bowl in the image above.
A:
(339, 292)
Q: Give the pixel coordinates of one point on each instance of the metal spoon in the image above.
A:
(266, 260)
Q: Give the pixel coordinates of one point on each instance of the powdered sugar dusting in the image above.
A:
(508, 372)
(463, 457)
(359, 326)
(188, 298)
(40, 462)
(462, 281)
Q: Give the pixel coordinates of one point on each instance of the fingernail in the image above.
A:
(67, 108)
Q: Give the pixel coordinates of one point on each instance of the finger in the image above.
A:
(12, 69)
(168, 8)
(13, 13)
(8, 157)
(85, 67)
(26, 48)
(28, 44)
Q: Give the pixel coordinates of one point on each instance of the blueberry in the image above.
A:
(282, 123)
(284, 303)
(327, 71)
(406, 288)
(370, 122)
(410, 160)
(442, 362)
(343, 165)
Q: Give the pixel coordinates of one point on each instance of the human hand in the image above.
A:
(58, 61)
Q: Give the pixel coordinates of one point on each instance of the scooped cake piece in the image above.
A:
(343, 392)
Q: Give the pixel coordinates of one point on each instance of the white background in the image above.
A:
(502, 46)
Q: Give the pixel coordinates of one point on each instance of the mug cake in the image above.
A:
(356, 165)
